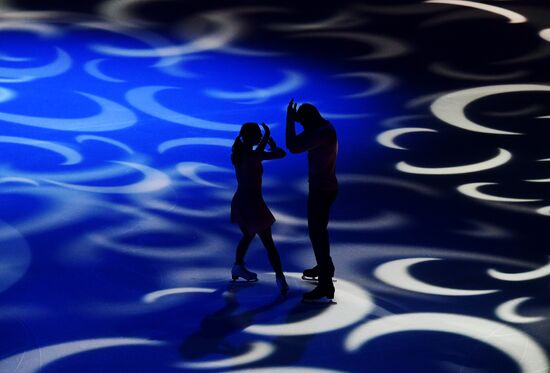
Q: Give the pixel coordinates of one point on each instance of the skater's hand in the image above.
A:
(291, 109)
(267, 131)
(272, 143)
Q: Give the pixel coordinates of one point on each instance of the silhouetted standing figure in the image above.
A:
(320, 141)
(248, 208)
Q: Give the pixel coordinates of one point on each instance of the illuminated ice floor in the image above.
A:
(117, 119)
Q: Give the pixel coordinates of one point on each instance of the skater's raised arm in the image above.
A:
(274, 151)
(261, 146)
(291, 125)
(306, 140)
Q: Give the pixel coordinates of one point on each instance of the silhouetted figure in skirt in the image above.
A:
(248, 208)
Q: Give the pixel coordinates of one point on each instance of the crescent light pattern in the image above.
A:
(71, 156)
(34, 360)
(156, 295)
(522, 276)
(257, 351)
(396, 273)
(143, 99)
(450, 107)
(154, 180)
(512, 16)
(471, 190)
(113, 116)
(507, 311)
(387, 138)
(501, 158)
(519, 346)
(353, 304)
(546, 180)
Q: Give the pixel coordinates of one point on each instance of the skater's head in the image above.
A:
(309, 117)
(249, 135)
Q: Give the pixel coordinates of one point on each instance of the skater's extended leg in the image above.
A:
(272, 253)
(274, 259)
(319, 203)
(242, 247)
(239, 269)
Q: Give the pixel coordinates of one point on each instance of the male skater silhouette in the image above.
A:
(320, 141)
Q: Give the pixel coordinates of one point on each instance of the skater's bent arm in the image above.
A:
(290, 127)
(273, 154)
(274, 151)
(261, 146)
(305, 141)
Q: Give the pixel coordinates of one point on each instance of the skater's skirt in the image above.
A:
(249, 211)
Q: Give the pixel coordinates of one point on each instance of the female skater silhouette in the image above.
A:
(248, 208)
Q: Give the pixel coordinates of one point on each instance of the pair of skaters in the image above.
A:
(250, 212)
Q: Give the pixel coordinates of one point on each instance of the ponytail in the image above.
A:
(239, 146)
(236, 150)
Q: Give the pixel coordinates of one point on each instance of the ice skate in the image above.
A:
(312, 274)
(321, 294)
(240, 271)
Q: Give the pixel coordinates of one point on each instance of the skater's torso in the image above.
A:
(322, 160)
(249, 171)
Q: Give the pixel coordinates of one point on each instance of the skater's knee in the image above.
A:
(317, 223)
(247, 238)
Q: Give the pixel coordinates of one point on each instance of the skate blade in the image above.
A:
(320, 301)
(307, 278)
(242, 280)
(314, 279)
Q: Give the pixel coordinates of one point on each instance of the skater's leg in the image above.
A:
(319, 203)
(272, 253)
(274, 259)
(242, 247)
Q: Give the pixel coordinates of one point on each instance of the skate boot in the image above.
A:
(312, 274)
(239, 270)
(281, 284)
(321, 294)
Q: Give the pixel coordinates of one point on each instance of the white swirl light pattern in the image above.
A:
(512, 16)
(71, 156)
(154, 296)
(60, 65)
(517, 345)
(471, 190)
(450, 108)
(396, 273)
(92, 67)
(34, 360)
(387, 138)
(119, 144)
(143, 99)
(291, 82)
(354, 302)
(113, 116)
(507, 311)
(153, 180)
(258, 351)
(524, 276)
(501, 158)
